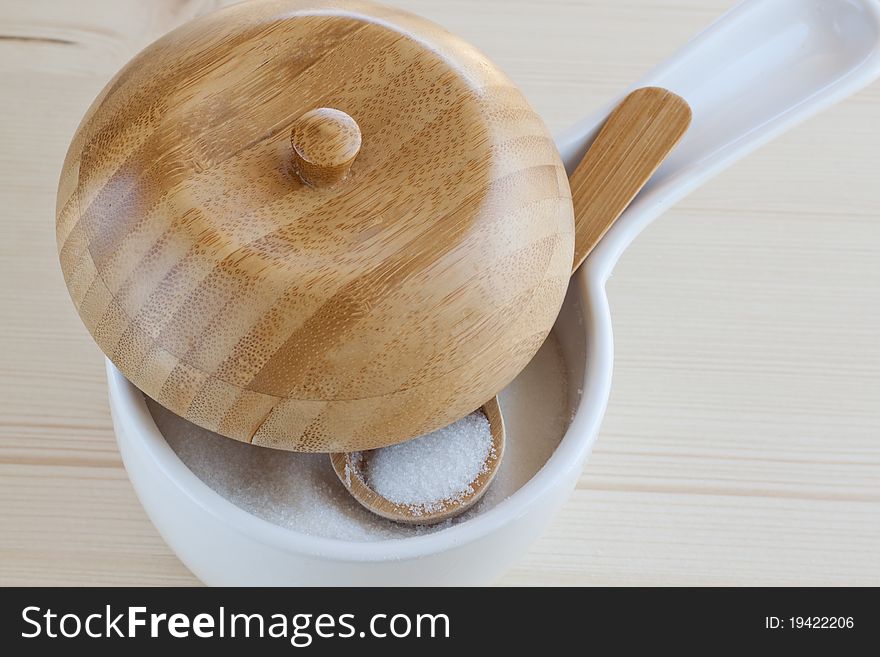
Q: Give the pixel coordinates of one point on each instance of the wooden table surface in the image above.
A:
(742, 440)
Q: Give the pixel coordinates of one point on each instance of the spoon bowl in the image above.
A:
(352, 468)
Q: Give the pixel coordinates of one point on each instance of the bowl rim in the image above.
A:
(130, 411)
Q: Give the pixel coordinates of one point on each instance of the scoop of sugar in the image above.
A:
(435, 468)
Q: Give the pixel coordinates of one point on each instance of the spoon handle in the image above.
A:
(632, 143)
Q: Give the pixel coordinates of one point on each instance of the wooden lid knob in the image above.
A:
(325, 143)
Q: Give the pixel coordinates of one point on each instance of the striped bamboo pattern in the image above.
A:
(337, 318)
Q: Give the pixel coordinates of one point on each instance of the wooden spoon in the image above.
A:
(633, 142)
(352, 468)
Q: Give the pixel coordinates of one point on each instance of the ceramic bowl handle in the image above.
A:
(760, 69)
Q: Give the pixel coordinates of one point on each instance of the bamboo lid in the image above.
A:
(315, 226)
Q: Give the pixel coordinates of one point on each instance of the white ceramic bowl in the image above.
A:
(225, 545)
(764, 66)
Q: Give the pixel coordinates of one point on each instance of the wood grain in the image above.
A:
(632, 143)
(741, 442)
(352, 468)
(315, 317)
(324, 143)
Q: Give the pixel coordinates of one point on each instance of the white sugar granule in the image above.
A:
(302, 493)
(433, 469)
